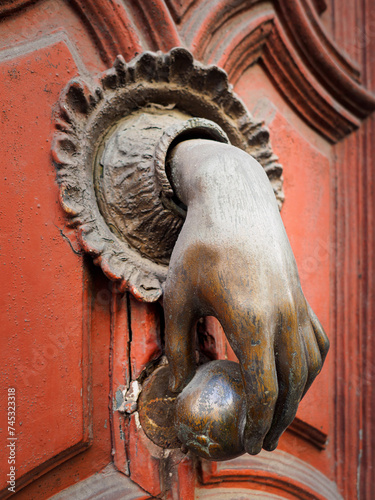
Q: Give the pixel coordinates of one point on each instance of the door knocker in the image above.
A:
(175, 192)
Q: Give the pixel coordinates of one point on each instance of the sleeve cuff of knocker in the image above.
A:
(193, 128)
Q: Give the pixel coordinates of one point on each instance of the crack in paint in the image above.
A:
(77, 252)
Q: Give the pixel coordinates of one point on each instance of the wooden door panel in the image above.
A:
(44, 313)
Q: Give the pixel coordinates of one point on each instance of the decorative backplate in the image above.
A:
(132, 187)
(110, 148)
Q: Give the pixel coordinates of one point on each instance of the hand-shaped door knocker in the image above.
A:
(167, 177)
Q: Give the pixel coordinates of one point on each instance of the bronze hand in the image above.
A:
(233, 260)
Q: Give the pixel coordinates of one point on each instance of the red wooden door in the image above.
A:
(71, 344)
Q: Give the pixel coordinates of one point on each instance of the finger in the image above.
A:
(180, 323)
(321, 337)
(313, 356)
(252, 343)
(292, 375)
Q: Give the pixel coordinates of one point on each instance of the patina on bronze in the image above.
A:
(207, 418)
(210, 412)
(157, 407)
(233, 260)
(132, 189)
(210, 212)
(110, 163)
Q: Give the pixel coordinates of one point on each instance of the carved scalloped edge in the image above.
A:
(87, 110)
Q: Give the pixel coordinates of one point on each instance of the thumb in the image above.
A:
(180, 334)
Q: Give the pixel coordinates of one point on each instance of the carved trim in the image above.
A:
(108, 483)
(314, 76)
(278, 469)
(110, 27)
(320, 6)
(241, 493)
(179, 8)
(9, 6)
(88, 110)
(46, 466)
(120, 368)
(155, 22)
(308, 433)
(353, 311)
(304, 94)
(241, 49)
(321, 54)
(367, 453)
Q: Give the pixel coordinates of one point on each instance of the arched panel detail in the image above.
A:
(10, 6)
(318, 81)
(156, 24)
(111, 28)
(277, 469)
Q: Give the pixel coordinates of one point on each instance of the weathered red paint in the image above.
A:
(120, 376)
(75, 337)
(146, 341)
(44, 317)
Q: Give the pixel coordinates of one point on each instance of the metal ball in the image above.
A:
(211, 412)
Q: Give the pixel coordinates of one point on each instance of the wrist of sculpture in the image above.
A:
(203, 172)
(182, 131)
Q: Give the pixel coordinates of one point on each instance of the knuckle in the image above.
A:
(267, 398)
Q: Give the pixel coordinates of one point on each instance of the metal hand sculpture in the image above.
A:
(230, 258)
(233, 260)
